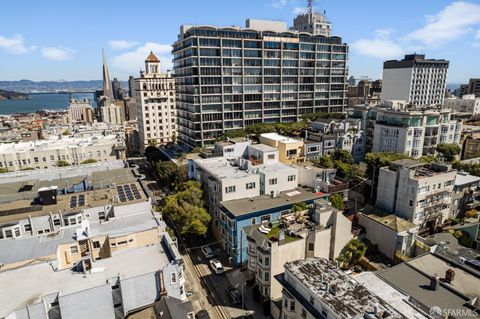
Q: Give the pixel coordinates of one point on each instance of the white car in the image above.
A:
(207, 252)
(217, 266)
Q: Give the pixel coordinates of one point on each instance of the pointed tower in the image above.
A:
(107, 85)
(152, 64)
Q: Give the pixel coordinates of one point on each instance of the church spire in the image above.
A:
(107, 85)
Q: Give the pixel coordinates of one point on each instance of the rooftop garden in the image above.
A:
(274, 234)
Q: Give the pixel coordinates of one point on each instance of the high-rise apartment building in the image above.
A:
(118, 91)
(474, 87)
(228, 78)
(414, 79)
(80, 111)
(154, 93)
(312, 22)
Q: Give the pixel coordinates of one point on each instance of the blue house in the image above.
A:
(236, 214)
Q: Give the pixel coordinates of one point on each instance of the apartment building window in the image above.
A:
(27, 227)
(96, 244)
(272, 181)
(8, 234)
(250, 185)
(311, 246)
(267, 261)
(73, 250)
(304, 313)
(291, 178)
(101, 215)
(35, 159)
(254, 221)
(173, 278)
(230, 189)
(292, 306)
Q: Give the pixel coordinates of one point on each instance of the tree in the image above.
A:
(428, 159)
(298, 207)
(232, 134)
(353, 251)
(3, 170)
(471, 214)
(89, 161)
(345, 170)
(66, 132)
(325, 161)
(377, 160)
(337, 201)
(153, 154)
(473, 169)
(170, 174)
(62, 163)
(343, 156)
(185, 209)
(449, 151)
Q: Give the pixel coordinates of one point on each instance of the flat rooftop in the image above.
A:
(389, 294)
(415, 283)
(263, 147)
(221, 168)
(23, 208)
(280, 138)
(239, 207)
(391, 221)
(54, 143)
(463, 178)
(27, 285)
(129, 219)
(344, 296)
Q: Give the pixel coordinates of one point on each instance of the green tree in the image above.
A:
(351, 254)
(342, 156)
(3, 170)
(375, 161)
(185, 209)
(27, 168)
(89, 161)
(449, 151)
(298, 207)
(345, 170)
(428, 159)
(66, 132)
(325, 161)
(473, 169)
(62, 163)
(170, 174)
(337, 201)
(152, 154)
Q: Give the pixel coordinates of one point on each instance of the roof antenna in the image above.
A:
(310, 6)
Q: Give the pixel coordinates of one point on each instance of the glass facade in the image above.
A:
(229, 78)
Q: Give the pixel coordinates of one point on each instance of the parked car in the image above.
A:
(235, 295)
(202, 314)
(207, 252)
(216, 266)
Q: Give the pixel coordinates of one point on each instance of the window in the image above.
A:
(253, 221)
(266, 276)
(271, 156)
(56, 222)
(101, 215)
(292, 306)
(27, 227)
(230, 189)
(250, 185)
(17, 231)
(311, 246)
(173, 278)
(291, 178)
(96, 244)
(267, 261)
(73, 250)
(8, 234)
(181, 290)
(272, 181)
(304, 313)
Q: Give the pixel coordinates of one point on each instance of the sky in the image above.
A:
(63, 40)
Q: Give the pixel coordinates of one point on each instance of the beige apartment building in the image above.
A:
(154, 93)
(73, 150)
(290, 150)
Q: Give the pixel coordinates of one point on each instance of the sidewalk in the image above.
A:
(237, 278)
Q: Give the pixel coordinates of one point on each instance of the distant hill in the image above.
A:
(27, 86)
(11, 95)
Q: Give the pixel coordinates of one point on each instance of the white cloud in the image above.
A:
(129, 63)
(57, 53)
(279, 4)
(299, 10)
(454, 21)
(121, 44)
(15, 44)
(380, 46)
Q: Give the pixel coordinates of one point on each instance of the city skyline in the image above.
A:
(64, 40)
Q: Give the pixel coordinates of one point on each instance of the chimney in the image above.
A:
(434, 282)
(450, 275)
